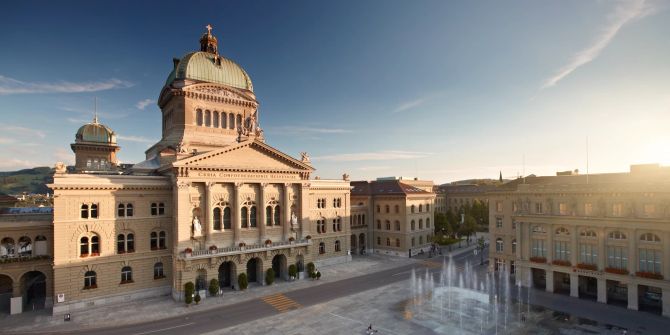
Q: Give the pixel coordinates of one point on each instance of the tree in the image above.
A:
(214, 286)
(242, 281)
(189, 288)
(469, 227)
(270, 276)
(292, 270)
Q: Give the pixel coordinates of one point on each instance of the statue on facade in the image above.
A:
(294, 219)
(197, 227)
(304, 157)
(181, 148)
(60, 167)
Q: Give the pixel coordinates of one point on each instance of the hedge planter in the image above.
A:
(269, 276)
(561, 262)
(617, 271)
(242, 281)
(542, 260)
(649, 275)
(585, 266)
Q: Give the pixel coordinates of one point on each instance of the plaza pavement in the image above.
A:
(164, 307)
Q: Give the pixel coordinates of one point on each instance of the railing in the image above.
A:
(247, 248)
(17, 258)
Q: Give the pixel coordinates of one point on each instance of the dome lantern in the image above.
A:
(208, 42)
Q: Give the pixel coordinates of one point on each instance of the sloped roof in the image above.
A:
(385, 187)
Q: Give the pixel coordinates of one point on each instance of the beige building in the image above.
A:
(211, 200)
(391, 216)
(458, 195)
(604, 237)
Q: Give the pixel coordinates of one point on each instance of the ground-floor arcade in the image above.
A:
(25, 288)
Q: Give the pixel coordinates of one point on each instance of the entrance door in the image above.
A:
(225, 275)
(5, 293)
(252, 266)
(35, 290)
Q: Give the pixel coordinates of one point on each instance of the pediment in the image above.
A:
(246, 156)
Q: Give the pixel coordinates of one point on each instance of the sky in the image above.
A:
(440, 90)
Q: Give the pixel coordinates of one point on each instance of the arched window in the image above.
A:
(412, 209)
(217, 218)
(322, 248)
(215, 120)
(208, 119)
(513, 246)
(428, 223)
(94, 211)
(649, 237)
(129, 209)
(337, 246)
(7, 247)
(238, 120)
(244, 215)
(226, 218)
(25, 246)
(588, 233)
(277, 215)
(420, 223)
(397, 225)
(413, 241)
(158, 271)
(562, 231)
(388, 224)
(427, 207)
(90, 280)
(387, 208)
(198, 117)
(231, 121)
(83, 246)
(126, 275)
(397, 243)
(253, 217)
(224, 120)
(388, 242)
(379, 224)
(379, 240)
(95, 246)
(121, 244)
(161, 240)
(84, 211)
(420, 208)
(499, 245)
(268, 216)
(154, 240)
(130, 242)
(412, 224)
(617, 235)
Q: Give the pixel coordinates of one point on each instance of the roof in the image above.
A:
(211, 68)
(96, 133)
(384, 187)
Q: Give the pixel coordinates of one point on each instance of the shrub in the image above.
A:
(310, 267)
(318, 275)
(214, 286)
(189, 288)
(197, 299)
(585, 266)
(538, 259)
(269, 276)
(242, 281)
(292, 270)
(312, 275)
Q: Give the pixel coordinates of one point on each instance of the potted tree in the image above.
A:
(291, 240)
(189, 288)
(318, 275)
(268, 242)
(242, 245)
(197, 298)
(242, 281)
(213, 287)
(269, 276)
(292, 271)
(188, 252)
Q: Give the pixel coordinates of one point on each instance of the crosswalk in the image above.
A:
(281, 303)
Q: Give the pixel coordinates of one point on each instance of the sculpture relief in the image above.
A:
(197, 227)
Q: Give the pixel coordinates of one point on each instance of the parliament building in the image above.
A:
(211, 200)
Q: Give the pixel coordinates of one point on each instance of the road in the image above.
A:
(231, 315)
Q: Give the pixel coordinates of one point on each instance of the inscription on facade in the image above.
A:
(230, 175)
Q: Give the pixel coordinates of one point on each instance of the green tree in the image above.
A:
(292, 270)
(469, 226)
(270, 276)
(189, 288)
(242, 281)
(214, 286)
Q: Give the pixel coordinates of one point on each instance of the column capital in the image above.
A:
(238, 184)
(210, 184)
(264, 185)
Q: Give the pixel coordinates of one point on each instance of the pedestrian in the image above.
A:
(523, 317)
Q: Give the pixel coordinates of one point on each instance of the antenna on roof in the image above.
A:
(95, 110)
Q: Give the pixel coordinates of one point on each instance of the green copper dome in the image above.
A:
(212, 68)
(95, 132)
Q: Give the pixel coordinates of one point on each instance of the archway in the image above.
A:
(255, 270)
(279, 266)
(5, 293)
(226, 274)
(361, 242)
(354, 249)
(34, 287)
(300, 263)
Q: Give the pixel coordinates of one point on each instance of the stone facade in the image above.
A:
(392, 216)
(605, 237)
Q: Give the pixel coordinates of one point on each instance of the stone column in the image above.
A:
(632, 253)
(520, 242)
(574, 247)
(665, 295)
(602, 290)
(209, 215)
(550, 280)
(665, 258)
(602, 252)
(632, 296)
(182, 218)
(261, 208)
(574, 285)
(302, 212)
(286, 213)
(550, 243)
(236, 213)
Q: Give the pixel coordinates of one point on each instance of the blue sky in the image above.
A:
(442, 90)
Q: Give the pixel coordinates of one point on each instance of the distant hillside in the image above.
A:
(475, 182)
(28, 180)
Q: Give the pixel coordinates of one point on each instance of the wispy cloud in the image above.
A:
(77, 121)
(13, 86)
(373, 156)
(296, 130)
(373, 168)
(408, 105)
(138, 139)
(22, 131)
(6, 140)
(144, 103)
(624, 13)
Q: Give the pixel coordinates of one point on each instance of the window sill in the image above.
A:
(90, 287)
(126, 282)
(159, 277)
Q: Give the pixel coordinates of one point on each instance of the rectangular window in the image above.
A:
(499, 222)
(499, 206)
(588, 209)
(617, 257)
(538, 248)
(563, 208)
(650, 260)
(561, 250)
(588, 253)
(649, 210)
(617, 209)
(538, 208)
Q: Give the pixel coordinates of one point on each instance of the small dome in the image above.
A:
(212, 68)
(95, 132)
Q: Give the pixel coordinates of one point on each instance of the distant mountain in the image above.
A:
(27, 180)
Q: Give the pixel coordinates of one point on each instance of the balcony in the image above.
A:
(200, 254)
(21, 259)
